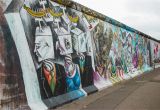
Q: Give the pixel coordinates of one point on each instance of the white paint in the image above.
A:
(27, 65)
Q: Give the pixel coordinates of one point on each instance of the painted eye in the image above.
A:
(38, 46)
(46, 44)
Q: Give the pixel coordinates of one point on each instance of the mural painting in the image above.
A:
(70, 54)
(62, 51)
(61, 63)
(155, 53)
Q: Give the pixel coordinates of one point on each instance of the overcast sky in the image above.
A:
(143, 15)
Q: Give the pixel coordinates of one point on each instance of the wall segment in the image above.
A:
(68, 51)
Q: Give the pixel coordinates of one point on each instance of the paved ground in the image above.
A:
(140, 93)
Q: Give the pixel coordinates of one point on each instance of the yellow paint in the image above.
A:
(54, 14)
(33, 13)
(60, 1)
(42, 13)
(73, 19)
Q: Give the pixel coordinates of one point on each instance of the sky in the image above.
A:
(143, 15)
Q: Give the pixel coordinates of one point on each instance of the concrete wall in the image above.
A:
(12, 93)
(155, 53)
(73, 51)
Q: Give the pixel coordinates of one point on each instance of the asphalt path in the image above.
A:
(139, 93)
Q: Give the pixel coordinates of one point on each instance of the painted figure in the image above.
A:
(79, 39)
(86, 70)
(51, 76)
(119, 67)
(72, 71)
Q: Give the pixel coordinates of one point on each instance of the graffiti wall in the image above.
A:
(155, 53)
(66, 53)
(119, 54)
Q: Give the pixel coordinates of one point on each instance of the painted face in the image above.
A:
(82, 43)
(79, 40)
(64, 41)
(44, 46)
(67, 44)
(70, 69)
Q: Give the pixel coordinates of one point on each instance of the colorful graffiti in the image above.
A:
(70, 54)
(155, 53)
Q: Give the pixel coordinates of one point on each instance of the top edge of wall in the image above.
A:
(14, 6)
(88, 11)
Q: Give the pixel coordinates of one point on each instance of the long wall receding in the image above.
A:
(66, 51)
